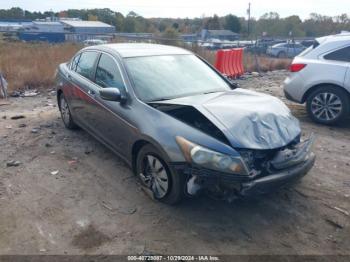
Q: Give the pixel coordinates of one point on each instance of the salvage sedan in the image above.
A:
(181, 126)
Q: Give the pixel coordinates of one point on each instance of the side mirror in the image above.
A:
(111, 94)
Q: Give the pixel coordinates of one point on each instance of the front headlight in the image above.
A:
(207, 158)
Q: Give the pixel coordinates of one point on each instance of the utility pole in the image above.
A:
(248, 12)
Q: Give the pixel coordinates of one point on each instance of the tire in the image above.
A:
(328, 105)
(282, 55)
(66, 114)
(149, 171)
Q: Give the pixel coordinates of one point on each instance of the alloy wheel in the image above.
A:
(65, 111)
(155, 176)
(326, 106)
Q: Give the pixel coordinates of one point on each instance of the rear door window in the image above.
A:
(342, 54)
(86, 64)
(107, 73)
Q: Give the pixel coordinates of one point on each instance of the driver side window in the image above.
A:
(107, 73)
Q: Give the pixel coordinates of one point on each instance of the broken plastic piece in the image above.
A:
(192, 186)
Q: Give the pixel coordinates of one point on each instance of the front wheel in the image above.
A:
(154, 173)
(328, 105)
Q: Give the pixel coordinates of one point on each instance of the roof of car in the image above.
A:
(344, 36)
(137, 49)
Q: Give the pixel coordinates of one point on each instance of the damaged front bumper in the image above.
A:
(271, 182)
(287, 166)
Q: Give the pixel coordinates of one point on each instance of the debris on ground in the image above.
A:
(22, 125)
(88, 151)
(333, 223)
(26, 93)
(17, 117)
(35, 130)
(15, 94)
(55, 172)
(123, 210)
(30, 93)
(12, 163)
(343, 211)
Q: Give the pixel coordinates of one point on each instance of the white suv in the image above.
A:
(320, 76)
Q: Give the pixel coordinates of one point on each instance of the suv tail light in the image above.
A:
(296, 67)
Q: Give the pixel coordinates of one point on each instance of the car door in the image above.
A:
(67, 82)
(111, 118)
(84, 89)
(345, 54)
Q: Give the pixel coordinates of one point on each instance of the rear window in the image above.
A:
(342, 55)
(310, 48)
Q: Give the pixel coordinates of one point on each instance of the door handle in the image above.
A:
(90, 92)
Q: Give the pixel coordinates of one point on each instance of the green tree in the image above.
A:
(119, 22)
(213, 23)
(129, 24)
(232, 23)
(170, 33)
(170, 36)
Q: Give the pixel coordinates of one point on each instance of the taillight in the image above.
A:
(296, 67)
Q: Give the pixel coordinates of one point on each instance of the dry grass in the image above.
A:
(33, 65)
(264, 63)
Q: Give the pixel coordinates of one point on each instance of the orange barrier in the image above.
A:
(230, 62)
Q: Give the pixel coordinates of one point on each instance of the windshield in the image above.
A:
(172, 76)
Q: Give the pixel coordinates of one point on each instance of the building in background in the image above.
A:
(80, 31)
(13, 25)
(54, 30)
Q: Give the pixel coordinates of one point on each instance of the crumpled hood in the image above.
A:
(248, 119)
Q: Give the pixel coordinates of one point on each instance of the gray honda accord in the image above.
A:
(181, 126)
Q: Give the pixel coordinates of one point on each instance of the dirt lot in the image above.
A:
(94, 205)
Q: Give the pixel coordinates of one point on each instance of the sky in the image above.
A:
(188, 8)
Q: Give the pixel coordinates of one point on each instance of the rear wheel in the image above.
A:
(328, 105)
(66, 114)
(154, 172)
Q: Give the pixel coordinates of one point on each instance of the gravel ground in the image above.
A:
(68, 194)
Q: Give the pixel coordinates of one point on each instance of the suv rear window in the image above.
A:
(339, 55)
(310, 48)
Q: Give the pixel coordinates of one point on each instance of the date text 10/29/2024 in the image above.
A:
(173, 258)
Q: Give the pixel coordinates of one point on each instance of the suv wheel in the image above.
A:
(328, 105)
(155, 174)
